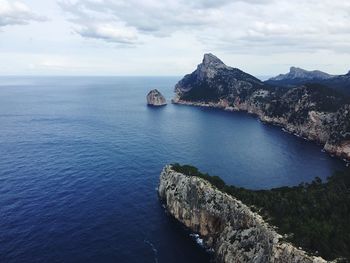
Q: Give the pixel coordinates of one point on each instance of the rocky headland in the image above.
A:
(155, 98)
(231, 229)
(312, 111)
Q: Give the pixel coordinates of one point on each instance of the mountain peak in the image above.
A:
(210, 59)
(212, 78)
(210, 66)
(296, 69)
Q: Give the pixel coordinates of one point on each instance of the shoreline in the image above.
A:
(338, 151)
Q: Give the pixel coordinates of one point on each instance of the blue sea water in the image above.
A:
(81, 157)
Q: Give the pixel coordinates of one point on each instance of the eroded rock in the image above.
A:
(155, 98)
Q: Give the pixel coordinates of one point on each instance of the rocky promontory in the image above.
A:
(312, 111)
(155, 98)
(227, 226)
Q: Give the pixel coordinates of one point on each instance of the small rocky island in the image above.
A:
(230, 228)
(155, 98)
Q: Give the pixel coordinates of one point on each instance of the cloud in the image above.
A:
(285, 27)
(136, 17)
(237, 26)
(109, 32)
(17, 13)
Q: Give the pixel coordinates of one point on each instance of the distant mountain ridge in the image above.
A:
(312, 111)
(297, 76)
(299, 73)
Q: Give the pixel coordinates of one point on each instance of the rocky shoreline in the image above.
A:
(312, 131)
(226, 225)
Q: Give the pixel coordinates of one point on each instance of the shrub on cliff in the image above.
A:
(193, 171)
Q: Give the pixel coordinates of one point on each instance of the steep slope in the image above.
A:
(213, 79)
(311, 111)
(340, 83)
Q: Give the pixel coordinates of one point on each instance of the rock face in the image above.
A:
(155, 98)
(311, 111)
(229, 227)
(213, 79)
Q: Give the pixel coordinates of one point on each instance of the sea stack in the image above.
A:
(155, 98)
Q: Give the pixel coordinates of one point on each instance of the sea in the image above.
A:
(80, 159)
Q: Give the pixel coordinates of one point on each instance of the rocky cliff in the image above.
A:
(229, 227)
(311, 111)
(155, 98)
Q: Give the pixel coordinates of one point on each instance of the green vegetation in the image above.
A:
(314, 216)
(326, 99)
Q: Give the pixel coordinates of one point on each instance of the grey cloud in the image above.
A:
(109, 33)
(17, 13)
(238, 25)
(159, 18)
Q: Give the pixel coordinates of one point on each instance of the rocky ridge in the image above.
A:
(230, 228)
(299, 73)
(298, 76)
(310, 111)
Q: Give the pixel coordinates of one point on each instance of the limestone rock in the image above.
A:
(230, 228)
(155, 98)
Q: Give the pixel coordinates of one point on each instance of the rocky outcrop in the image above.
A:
(155, 98)
(313, 112)
(230, 228)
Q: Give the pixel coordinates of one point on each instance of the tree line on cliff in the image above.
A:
(314, 216)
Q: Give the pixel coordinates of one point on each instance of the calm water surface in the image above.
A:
(81, 157)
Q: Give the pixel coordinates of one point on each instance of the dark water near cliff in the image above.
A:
(81, 157)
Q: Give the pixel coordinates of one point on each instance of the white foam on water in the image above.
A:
(198, 239)
(155, 251)
(285, 130)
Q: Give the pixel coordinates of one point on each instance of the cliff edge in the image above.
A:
(230, 228)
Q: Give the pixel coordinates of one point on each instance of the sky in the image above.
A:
(169, 37)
